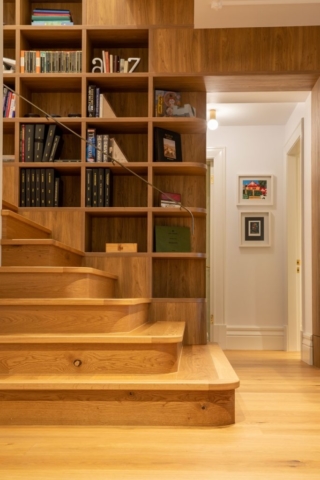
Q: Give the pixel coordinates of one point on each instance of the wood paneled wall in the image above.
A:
(236, 51)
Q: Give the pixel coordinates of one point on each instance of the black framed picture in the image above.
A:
(167, 146)
(254, 229)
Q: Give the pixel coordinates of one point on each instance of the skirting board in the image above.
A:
(250, 338)
(306, 348)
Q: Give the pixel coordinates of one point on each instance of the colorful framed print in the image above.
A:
(255, 190)
(255, 230)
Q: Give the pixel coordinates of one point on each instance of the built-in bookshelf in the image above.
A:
(134, 210)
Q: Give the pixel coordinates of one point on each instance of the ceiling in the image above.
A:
(255, 108)
(255, 13)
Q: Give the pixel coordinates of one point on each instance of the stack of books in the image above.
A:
(171, 200)
(41, 16)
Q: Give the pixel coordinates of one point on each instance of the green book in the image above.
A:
(172, 239)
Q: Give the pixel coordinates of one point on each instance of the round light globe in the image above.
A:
(213, 124)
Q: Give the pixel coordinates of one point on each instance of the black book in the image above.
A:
(29, 142)
(107, 187)
(22, 144)
(38, 187)
(89, 187)
(56, 148)
(91, 100)
(33, 187)
(167, 146)
(28, 187)
(22, 187)
(42, 187)
(57, 191)
(100, 187)
(49, 187)
(95, 187)
(52, 131)
(39, 138)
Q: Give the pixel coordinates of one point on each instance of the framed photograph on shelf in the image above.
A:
(255, 229)
(255, 190)
(167, 146)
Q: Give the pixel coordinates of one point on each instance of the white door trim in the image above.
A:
(217, 236)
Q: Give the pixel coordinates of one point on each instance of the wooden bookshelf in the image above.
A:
(112, 26)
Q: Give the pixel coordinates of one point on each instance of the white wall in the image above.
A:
(255, 277)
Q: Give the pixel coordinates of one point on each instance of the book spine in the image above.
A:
(105, 147)
(55, 148)
(33, 187)
(29, 142)
(95, 187)
(90, 109)
(99, 148)
(57, 191)
(97, 102)
(39, 137)
(38, 188)
(91, 151)
(49, 187)
(89, 187)
(48, 143)
(28, 187)
(107, 187)
(100, 187)
(42, 187)
(22, 157)
(22, 187)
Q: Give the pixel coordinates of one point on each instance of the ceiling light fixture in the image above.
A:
(213, 122)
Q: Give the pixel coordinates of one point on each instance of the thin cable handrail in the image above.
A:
(113, 160)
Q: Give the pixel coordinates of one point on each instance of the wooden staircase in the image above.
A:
(73, 354)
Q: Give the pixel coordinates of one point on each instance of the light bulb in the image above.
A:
(213, 122)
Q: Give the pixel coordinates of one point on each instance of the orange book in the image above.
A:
(22, 57)
(38, 61)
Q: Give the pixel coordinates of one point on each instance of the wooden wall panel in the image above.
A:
(140, 12)
(131, 271)
(315, 158)
(8, 184)
(192, 312)
(236, 51)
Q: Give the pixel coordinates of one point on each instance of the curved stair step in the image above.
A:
(39, 252)
(55, 282)
(17, 226)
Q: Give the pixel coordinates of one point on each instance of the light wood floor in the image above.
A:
(276, 436)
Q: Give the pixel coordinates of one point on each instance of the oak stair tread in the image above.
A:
(158, 332)
(53, 270)
(202, 368)
(41, 241)
(73, 301)
(20, 218)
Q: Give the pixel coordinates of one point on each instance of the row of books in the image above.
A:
(103, 148)
(50, 61)
(98, 104)
(41, 16)
(168, 104)
(40, 142)
(40, 187)
(113, 63)
(9, 103)
(98, 187)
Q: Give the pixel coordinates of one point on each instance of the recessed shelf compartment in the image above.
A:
(178, 277)
(190, 187)
(27, 7)
(9, 12)
(8, 136)
(184, 219)
(126, 43)
(54, 95)
(9, 42)
(114, 227)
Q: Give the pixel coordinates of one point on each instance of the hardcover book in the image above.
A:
(165, 102)
(29, 142)
(52, 131)
(167, 146)
(88, 187)
(39, 138)
(172, 200)
(172, 239)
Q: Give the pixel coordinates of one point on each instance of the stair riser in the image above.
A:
(38, 256)
(13, 228)
(136, 408)
(50, 319)
(88, 359)
(57, 285)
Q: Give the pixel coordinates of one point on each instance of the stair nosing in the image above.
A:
(23, 219)
(41, 241)
(72, 301)
(53, 270)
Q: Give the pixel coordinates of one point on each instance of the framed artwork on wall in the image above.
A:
(255, 229)
(255, 190)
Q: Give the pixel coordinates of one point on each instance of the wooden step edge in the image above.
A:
(73, 301)
(9, 206)
(194, 380)
(8, 213)
(53, 270)
(42, 241)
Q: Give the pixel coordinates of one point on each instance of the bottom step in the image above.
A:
(202, 393)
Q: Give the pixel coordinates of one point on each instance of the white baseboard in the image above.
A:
(306, 348)
(255, 338)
